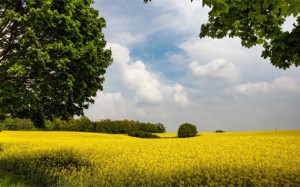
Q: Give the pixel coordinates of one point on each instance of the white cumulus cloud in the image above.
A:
(282, 84)
(179, 95)
(183, 11)
(206, 48)
(218, 68)
(108, 105)
(145, 84)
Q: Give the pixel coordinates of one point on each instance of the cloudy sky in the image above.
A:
(163, 72)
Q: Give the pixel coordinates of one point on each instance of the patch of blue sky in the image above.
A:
(155, 51)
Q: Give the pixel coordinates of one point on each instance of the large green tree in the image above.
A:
(257, 22)
(52, 58)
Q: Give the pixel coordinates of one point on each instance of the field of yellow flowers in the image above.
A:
(266, 158)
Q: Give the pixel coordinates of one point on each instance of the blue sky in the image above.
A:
(163, 72)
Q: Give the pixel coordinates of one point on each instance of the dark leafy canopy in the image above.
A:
(187, 130)
(52, 58)
(257, 22)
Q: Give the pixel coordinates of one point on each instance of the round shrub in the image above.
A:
(187, 130)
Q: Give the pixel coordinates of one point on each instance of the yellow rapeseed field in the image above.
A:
(266, 158)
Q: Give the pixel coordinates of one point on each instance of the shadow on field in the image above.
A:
(176, 137)
(10, 179)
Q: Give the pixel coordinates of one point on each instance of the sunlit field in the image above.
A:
(266, 158)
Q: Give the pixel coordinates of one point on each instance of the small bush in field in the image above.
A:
(187, 130)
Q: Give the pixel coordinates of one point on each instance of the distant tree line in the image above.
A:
(126, 126)
(84, 124)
